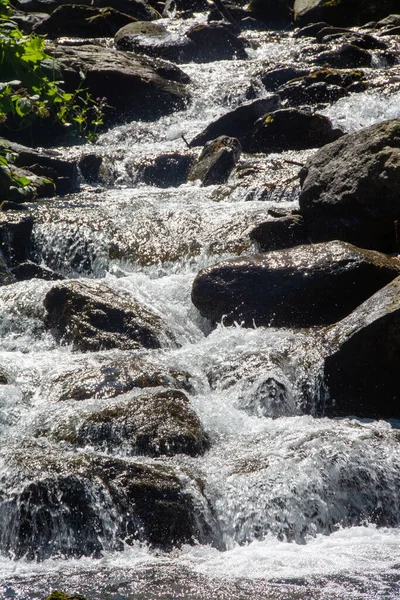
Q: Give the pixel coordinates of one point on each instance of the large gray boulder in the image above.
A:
(300, 287)
(351, 189)
(135, 86)
(363, 360)
(91, 316)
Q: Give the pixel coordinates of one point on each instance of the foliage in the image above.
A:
(29, 88)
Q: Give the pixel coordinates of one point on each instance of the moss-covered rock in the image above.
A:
(58, 595)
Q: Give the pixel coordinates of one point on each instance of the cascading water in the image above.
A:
(293, 506)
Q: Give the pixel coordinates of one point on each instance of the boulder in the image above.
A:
(274, 13)
(277, 234)
(82, 21)
(137, 87)
(157, 424)
(238, 122)
(351, 189)
(342, 12)
(290, 129)
(138, 9)
(217, 160)
(303, 286)
(63, 173)
(363, 359)
(274, 78)
(166, 170)
(346, 56)
(201, 43)
(303, 92)
(91, 316)
(74, 505)
(15, 237)
(30, 270)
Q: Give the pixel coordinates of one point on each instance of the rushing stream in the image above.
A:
(290, 495)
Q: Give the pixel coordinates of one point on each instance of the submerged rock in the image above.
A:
(217, 160)
(82, 505)
(166, 170)
(92, 317)
(157, 424)
(363, 360)
(351, 189)
(300, 287)
(115, 378)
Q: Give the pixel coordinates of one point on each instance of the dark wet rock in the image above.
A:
(239, 122)
(237, 15)
(3, 377)
(44, 164)
(166, 170)
(362, 365)
(135, 86)
(15, 237)
(291, 129)
(139, 9)
(274, 13)
(115, 378)
(201, 43)
(342, 12)
(158, 424)
(350, 189)
(300, 93)
(388, 22)
(103, 504)
(30, 270)
(310, 30)
(82, 21)
(217, 160)
(321, 86)
(27, 21)
(7, 205)
(359, 39)
(274, 78)
(92, 317)
(283, 232)
(346, 56)
(300, 287)
(6, 277)
(89, 165)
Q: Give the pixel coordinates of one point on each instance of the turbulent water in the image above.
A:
(302, 507)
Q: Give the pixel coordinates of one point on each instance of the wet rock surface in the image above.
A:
(143, 501)
(217, 160)
(350, 188)
(300, 287)
(94, 317)
(135, 86)
(157, 424)
(361, 367)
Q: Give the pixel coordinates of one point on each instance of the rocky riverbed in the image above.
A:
(199, 312)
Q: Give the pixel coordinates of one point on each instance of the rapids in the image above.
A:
(292, 495)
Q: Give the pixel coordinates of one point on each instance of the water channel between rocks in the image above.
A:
(287, 492)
